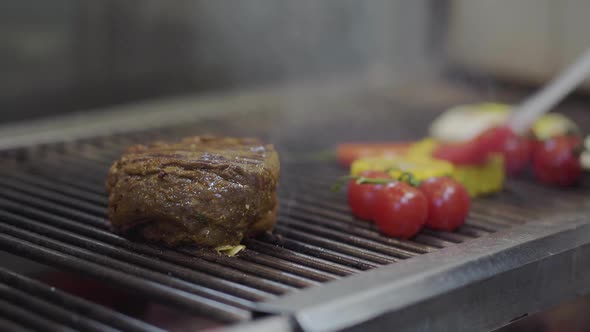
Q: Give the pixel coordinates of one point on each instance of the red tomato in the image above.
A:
(467, 153)
(361, 196)
(515, 149)
(555, 161)
(448, 203)
(475, 151)
(517, 152)
(400, 210)
(494, 139)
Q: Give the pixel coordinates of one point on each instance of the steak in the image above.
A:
(208, 191)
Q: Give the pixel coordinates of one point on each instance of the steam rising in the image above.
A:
(261, 39)
(354, 44)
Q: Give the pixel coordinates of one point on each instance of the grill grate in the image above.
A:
(53, 210)
(49, 309)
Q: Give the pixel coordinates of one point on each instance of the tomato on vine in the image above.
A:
(400, 210)
(448, 203)
(361, 196)
(556, 160)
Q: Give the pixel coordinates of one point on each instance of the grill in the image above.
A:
(319, 270)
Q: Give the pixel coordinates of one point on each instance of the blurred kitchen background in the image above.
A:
(63, 56)
(69, 55)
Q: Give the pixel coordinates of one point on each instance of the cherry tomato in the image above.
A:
(400, 210)
(515, 149)
(494, 139)
(361, 196)
(556, 162)
(475, 151)
(517, 152)
(448, 203)
(466, 153)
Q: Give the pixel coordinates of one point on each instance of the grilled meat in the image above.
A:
(208, 191)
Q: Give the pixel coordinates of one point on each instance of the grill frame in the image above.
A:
(330, 248)
(414, 295)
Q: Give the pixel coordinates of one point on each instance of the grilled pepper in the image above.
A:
(485, 178)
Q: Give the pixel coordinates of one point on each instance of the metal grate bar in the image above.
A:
(73, 178)
(248, 267)
(323, 230)
(298, 257)
(30, 319)
(402, 249)
(89, 173)
(73, 304)
(88, 161)
(432, 241)
(7, 325)
(453, 237)
(64, 189)
(193, 263)
(339, 247)
(320, 203)
(319, 252)
(54, 208)
(471, 231)
(48, 310)
(53, 196)
(499, 214)
(133, 260)
(479, 219)
(294, 268)
(128, 269)
(190, 302)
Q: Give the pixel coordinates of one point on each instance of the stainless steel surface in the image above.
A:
(265, 324)
(478, 285)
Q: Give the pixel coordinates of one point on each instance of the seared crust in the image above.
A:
(208, 191)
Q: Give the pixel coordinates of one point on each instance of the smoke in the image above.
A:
(347, 46)
(268, 41)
